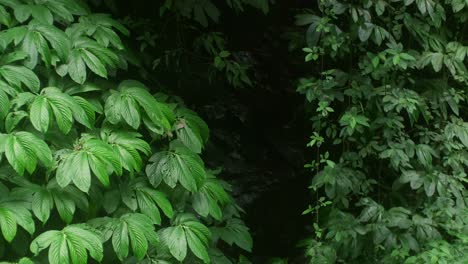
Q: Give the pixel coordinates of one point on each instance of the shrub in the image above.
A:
(93, 165)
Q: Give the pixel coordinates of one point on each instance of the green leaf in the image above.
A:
(22, 12)
(77, 68)
(18, 75)
(57, 39)
(41, 14)
(436, 60)
(121, 240)
(95, 156)
(7, 224)
(135, 230)
(71, 243)
(93, 63)
(188, 232)
(65, 207)
(23, 150)
(178, 165)
(235, 232)
(4, 105)
(42, 203)
(39, 114)
(174, 238)
(13, 119)
(148, 199)
(5, 17)
(197, 247)
(122, 105)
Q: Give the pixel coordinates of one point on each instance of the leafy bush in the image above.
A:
(389, 107)
(96, 167)
(184, 42)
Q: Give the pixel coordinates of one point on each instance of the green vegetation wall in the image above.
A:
(387, 97)
(95, 168)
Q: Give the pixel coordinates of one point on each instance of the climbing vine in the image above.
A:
(387, 98)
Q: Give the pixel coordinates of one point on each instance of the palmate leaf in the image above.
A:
(187, 232)
(92, 155)
(128, 103)
(37, 38)
(14, 211)
(235, 232)
(148, 198)
(199, 11)
(45, 198)
(70, 245)
(127, 146)
(47, 11)
(23, 150)
(101, 28)
(210, 198)
(13, 119)
(191, 130)
(17, 76)
(65, 109)
(38, 12)
(13, 35)
(11, 57)
(87, 53)
(130, 230)
(40, 39)
(34, 44)
(57, 39)
(178, 165)
(137, 195)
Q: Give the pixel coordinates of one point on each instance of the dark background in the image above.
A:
(259, 133)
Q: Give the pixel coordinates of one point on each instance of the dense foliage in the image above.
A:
(387, 93)
(101, 160)
(95, 167)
